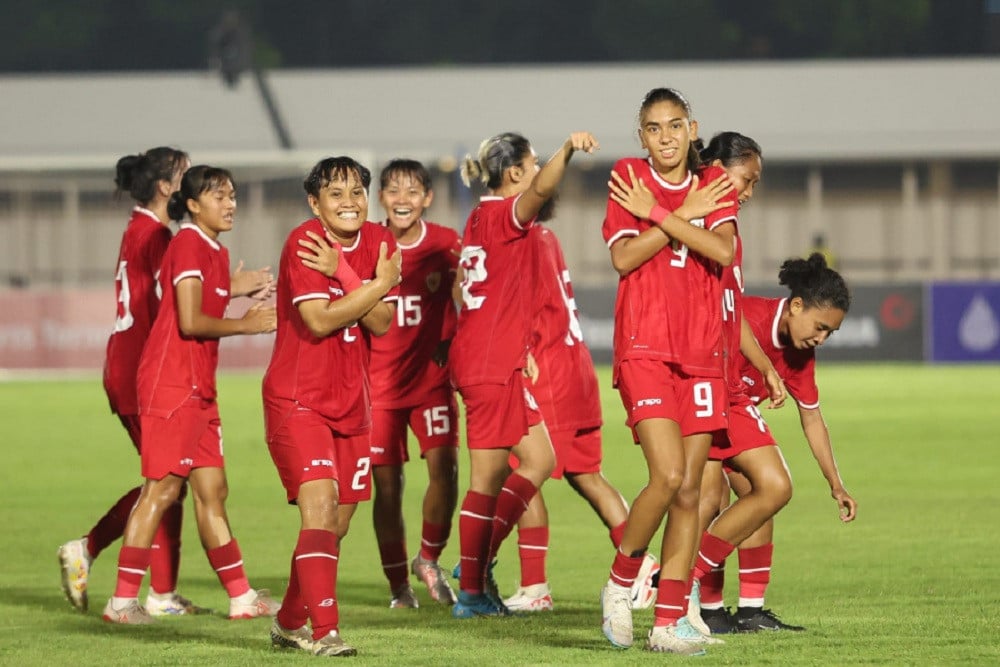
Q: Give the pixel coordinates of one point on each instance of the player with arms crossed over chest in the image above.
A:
(668, 362)
(489, 353)
(336, 283)
(410, 386)
(181, 431)
(789, 330)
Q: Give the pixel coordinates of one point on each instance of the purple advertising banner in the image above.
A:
(965, 321)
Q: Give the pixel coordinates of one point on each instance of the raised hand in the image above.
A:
(258, 284)
(582, 141)
(389, 268)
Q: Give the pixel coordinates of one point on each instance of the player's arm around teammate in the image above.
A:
(182, 435)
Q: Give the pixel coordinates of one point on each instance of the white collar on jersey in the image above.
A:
(491, 198)
(666, 185)
(774, 325)
(208, 239)
(146, 211)
(357, 241)
(420, 239)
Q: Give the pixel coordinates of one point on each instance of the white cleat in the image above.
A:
(694, 611)
(537, 597)
(260, 604)
(300, 639)
(132, 613)
(643, 591)
(616, 614)
(171, 604)
(681, 639)
(74, 563)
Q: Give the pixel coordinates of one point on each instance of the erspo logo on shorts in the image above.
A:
(187, 462)
(645, 402)
(321, 462)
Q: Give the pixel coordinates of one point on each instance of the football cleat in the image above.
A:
(333, 645)
(132, 613)
(261, 604)
(537, 597)
(300, 638)
(404, 598)
(755, 619)
(644, 589)
(429, 572)
(74, 564)
(616, 614)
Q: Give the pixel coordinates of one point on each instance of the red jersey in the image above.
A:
(566, 390)
(403, 372)
(175, 367)
(328, 375)
(143, 244)
(491, 342)
(668, 308)
(732, 321)
(797, 368)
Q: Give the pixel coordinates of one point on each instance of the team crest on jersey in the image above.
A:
(433, 281)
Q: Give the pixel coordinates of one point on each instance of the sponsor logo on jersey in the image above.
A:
(221, 292)
(433, 281)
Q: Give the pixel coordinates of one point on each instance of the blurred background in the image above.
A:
(878, 120)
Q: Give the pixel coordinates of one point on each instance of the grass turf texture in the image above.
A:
(912, 581)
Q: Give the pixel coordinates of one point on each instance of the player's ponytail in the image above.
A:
(138, 175)
(177, 206)
(496, 155)
(815, 283)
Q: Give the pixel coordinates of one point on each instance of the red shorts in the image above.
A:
(497, 416)
(305, 446)
(191, 437)
(747, 430)
(652, 389)
(434, 423)
(132, 425)
(577, 452)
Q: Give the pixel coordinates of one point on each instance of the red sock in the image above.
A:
(111, 526)
(394, 563)
(475, 522)
(670, 603)
(132, 565)
(166, 559)
(512, 502)
(293, 613)
(712, 585)
(617, 533)
(227, 561)
(755, 573)
(316, 556)
(625, 568)
(532, 547)
(433, 540)
(711, 553)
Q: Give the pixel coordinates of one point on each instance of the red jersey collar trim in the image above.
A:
(774, 325)
(147, 213)
(420, 239)
(666, 184)
(208, 239)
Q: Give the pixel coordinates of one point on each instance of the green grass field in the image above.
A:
(913, 581)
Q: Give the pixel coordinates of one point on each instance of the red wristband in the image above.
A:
(658, 214)
(346, 275)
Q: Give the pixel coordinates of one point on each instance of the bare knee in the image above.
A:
(666, 483)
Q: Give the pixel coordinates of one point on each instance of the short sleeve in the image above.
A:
(305, 284)
(618, 223)
(186, 258)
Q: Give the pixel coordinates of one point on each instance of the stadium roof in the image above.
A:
(799, 111)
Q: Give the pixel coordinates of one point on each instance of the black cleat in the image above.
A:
(719, 621)
(755, 619)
